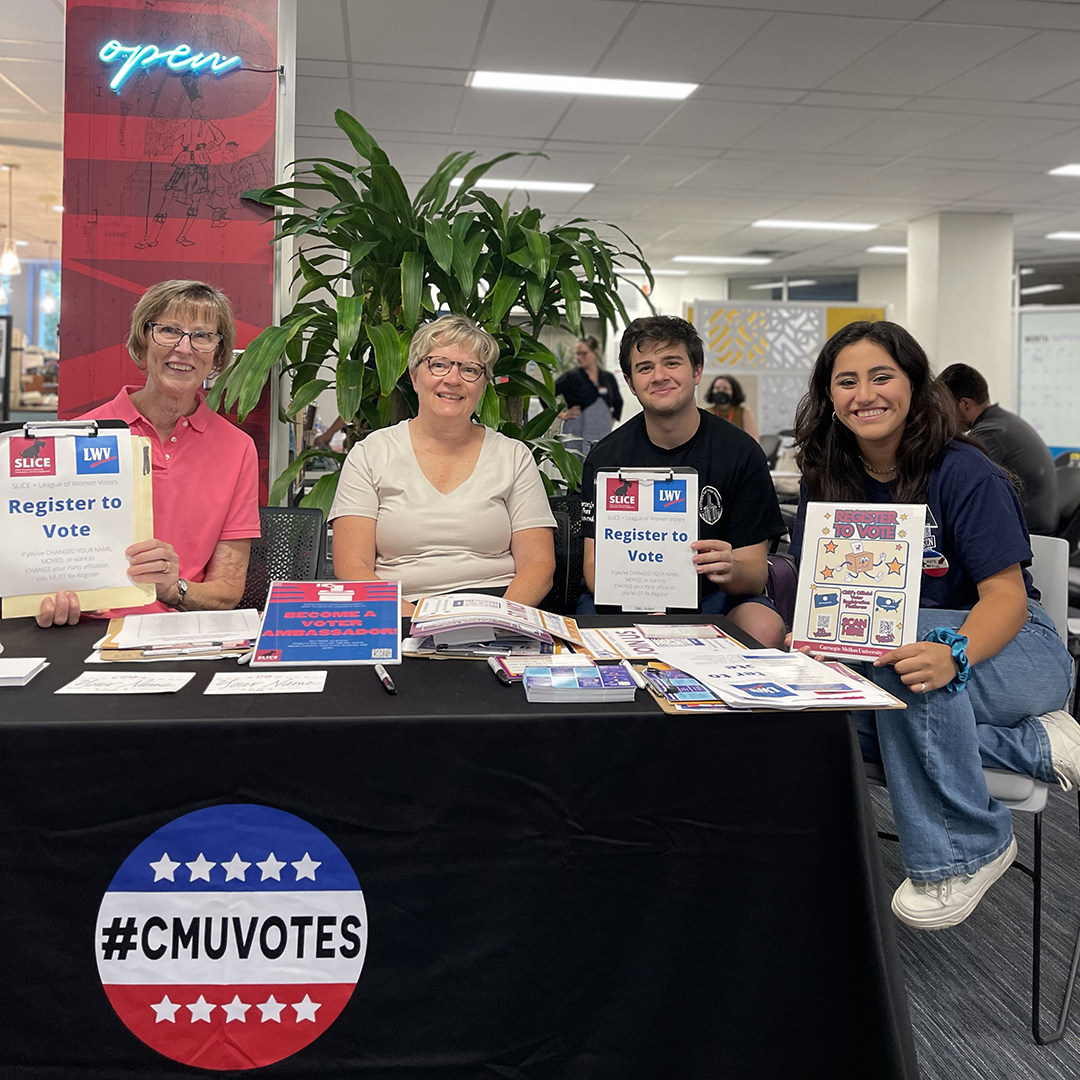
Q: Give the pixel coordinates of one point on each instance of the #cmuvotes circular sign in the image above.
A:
(232, 937)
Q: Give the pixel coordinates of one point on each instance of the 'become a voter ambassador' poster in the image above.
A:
(646, 521)
(71, 505)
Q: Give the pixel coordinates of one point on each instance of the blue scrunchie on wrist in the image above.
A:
(943, 635)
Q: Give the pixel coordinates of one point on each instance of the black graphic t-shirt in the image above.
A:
(736, 501)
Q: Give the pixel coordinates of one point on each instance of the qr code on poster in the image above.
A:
(382, 654)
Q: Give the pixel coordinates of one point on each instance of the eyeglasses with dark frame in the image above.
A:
(168, 337)
(440, 367)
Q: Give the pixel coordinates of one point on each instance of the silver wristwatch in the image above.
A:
(181, 588)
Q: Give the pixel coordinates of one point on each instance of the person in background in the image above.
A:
(1013, 443)
(205, 470)
(592, 397)
(441, 502)
(728, 401)
(662, 358)
(985, 682)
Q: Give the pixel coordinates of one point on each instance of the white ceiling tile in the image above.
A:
(1043, 63)
(923, 56)
(713, 124)
(609, 204)
(859, 101)
(595, 119)
(704, 206)
(961, 185)
(803, 50)
(323, 69)
(1067, 95)
(885, 9)
(504, 112)
(759, 94)
(405, 107)
(414, 159)
(316, 100)
(1047, 153)
(817, 177)
(522, 35)
(339, 149)
(428, 34)
(584, 167)
(904, 132)
(36, 22)
(991, 138)
(801, 127)
(1029, 189)
(320, 30)
(654, 170)
(1030, 13)
(40, 80)
(680, 42)
(890, 181)
(729, 174)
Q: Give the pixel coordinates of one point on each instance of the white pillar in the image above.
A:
(887, 286)
(959, 294)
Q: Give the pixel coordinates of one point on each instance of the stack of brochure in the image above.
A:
(610, 682)
(479, 625)
(18, 671)
(177, 635)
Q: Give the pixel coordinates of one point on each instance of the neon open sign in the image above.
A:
(178, 59)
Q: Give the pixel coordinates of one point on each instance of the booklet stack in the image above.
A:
(177, 635)
(472, 624)
(610, 682)
(18, 671)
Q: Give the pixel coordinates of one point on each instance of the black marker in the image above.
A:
(384, 678)
(499, 673)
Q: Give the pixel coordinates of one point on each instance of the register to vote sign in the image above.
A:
(67, 512)
(646, 521)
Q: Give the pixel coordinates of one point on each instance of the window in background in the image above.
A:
(805, 287)
(1050, 283)
(756, 287)
(47, 295)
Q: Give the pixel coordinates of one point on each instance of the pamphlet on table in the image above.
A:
(18, 671)
(470, 619)
(646, 520)
(610, 682)
(73, 497)
(333, 622)
(171, 635)
(859, 579)
(611, 643)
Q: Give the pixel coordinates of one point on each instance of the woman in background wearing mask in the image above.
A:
(726, 399)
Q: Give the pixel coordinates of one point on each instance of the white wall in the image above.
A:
(885, 285)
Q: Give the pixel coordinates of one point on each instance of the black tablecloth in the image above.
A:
(552, 891)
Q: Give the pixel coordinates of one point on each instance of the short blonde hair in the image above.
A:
(200, 300)
(455, 330)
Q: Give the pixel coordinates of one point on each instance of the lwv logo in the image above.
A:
(96, 455)
(670, 497)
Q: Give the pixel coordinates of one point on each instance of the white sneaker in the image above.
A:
(1064, 734)
(936, 905)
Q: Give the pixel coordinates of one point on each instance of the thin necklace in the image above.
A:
(880, 472)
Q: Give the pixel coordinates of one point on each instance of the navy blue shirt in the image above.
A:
(973, 518)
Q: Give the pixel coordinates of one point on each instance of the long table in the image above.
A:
(551, 891)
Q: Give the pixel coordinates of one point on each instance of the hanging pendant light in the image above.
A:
(48, 301)
(9, 260)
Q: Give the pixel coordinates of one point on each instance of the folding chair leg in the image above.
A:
(1036, 951)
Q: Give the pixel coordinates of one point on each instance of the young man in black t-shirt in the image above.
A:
(662, 358)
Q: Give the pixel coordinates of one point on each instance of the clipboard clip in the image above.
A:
(33, 428)
(636, 474)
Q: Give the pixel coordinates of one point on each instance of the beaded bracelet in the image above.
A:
(943, 635)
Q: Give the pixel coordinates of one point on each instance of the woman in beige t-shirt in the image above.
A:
(440, 502)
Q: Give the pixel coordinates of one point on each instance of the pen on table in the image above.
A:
(499, 673)
(245, 658)
(639, 682)
(384, 678)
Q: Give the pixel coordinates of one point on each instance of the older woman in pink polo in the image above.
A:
(205, 470)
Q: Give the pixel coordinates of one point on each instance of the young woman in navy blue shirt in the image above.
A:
(985, 682)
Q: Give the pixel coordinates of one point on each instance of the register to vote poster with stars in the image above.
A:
(859, 580)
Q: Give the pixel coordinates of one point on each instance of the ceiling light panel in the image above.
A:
(887, 249)
(576, 84)
(1034, 290)
(530, 185)
(824, 226)
(1063, 236)
(724, 260)
(1065, 170)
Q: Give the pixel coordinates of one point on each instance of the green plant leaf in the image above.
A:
(295, 467)
(571, 293)
(539, 424)
(350, 312)
(473, 175)
(503, 296)
(323, 492)
(412, 284)
(439, 241)
(466, 254)
(388, 359)
(305, 395)
(432, 196)
(358, 135)
(534, 293)
(350, 381)
(539, 246)
(489, 407)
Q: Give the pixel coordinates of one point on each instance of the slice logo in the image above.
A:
(622, 494)
(32, 457)
(669, 497)
(96, 455)
(232, 937)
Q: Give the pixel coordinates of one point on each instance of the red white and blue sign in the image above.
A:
(96, 454)
(669, 497)
(232, 937)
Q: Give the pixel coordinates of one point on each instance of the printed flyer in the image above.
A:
(859, 581)
(645, 524)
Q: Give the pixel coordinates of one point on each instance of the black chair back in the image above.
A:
(289, 549)
(569, 555)
(1068, 505)
(770, 444)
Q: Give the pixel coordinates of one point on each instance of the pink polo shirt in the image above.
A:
(206, 483)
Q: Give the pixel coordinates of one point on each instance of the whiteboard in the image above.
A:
(1050, 375)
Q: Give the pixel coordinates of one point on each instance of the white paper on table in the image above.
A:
(127, 682)
(97, 658)
(267, 682)
(17, 671)
(180, 627)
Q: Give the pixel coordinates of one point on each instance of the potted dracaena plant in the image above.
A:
(376, 263)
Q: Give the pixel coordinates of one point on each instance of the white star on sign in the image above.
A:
(270, 867)
(306, 867)
(164, 867)
(235, 1010)
(235, 867)
(305, 1010)
(200, 868)
(271, 1010)
(201, 1010)
(165, 1009)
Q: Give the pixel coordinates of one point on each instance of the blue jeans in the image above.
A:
(934, 751)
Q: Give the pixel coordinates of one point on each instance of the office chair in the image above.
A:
(289, 549)
(569, 555)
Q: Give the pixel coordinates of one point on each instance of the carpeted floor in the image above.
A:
(969, 988)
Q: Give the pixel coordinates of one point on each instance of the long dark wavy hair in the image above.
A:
(828, 454)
